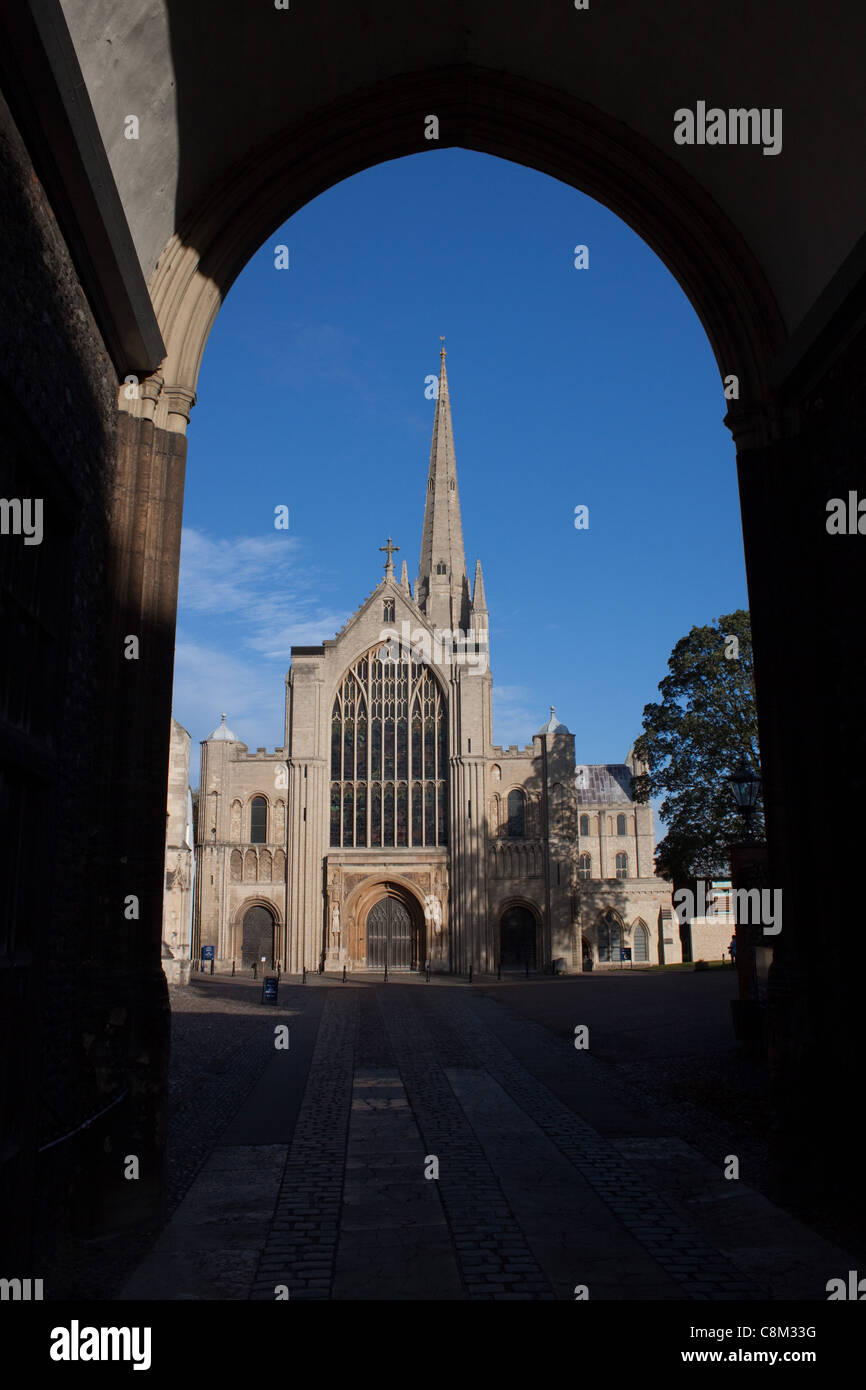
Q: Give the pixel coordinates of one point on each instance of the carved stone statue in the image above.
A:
(433, 912)
(335, 925)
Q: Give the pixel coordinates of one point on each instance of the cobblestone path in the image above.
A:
(422, 1142)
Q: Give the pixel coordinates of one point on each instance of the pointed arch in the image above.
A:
(609, 934)
(389, 753)
(640, 942)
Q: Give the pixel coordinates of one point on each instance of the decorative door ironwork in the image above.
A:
(391, 937)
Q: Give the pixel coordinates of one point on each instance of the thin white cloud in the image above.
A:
(515, 715)
(243, 603)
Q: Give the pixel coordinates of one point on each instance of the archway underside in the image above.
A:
(493, 113)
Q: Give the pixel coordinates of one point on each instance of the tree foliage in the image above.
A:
(705, 724)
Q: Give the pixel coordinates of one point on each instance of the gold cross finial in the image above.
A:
(389, 565)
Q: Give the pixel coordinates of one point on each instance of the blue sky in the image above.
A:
(567, 386)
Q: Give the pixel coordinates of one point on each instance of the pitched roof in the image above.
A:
(608, 783)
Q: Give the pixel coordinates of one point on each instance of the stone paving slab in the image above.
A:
(530, 1200)
(568, 1230)
(211, 1246)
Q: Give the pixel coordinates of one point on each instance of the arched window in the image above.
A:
(621, 825)
(609, 938)
(584, 866)
(641, 942)
(516, 814)
(622, 866)
(258, 821)
(441, 567)
(496, 772)
(584, 825)
(389, 755)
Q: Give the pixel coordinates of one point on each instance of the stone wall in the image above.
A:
(75, 1001)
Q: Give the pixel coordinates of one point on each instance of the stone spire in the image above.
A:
(442, 588)
(404, 581)
(479, 602)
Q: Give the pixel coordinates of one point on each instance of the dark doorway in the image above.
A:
(391, 939)
(258, 936)
(587, 955)
(517, 939)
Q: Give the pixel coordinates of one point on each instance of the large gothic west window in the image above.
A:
(389, 756)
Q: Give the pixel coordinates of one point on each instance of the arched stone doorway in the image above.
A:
(517, 938)
(391, 929)
(390, 936)
(257, 938)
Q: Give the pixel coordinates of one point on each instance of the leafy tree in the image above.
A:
(705, 725)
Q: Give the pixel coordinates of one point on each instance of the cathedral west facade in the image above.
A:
(389, 829)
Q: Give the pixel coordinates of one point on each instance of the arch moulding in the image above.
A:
(363, 897)
(494, 113)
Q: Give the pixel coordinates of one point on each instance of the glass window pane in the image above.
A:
(402, 814)
(361, 815)
(361, 751)
(417, 814)
(376, 749)
(336, 731)
(258, 821)
(376, 813)
(402, 748)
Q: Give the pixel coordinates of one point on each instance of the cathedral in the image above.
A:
(390, 831)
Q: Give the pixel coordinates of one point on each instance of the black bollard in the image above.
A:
(255, 968)
(211, 967)
(386, 973)
(304, 976)
(499, 971)
(344, 974)
(427, 973)
(470, 974)
(233, 969)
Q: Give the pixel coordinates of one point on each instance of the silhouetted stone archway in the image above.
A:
(518, 932)
(97, 752)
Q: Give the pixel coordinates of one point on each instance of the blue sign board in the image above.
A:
(270, 985)
(625, 953)
(207, 952)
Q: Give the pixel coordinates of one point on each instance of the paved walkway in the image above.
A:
(426, 1142)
